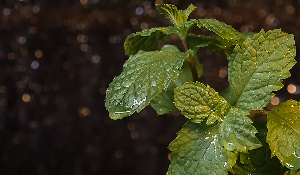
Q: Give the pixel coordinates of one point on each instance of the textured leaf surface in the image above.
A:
(237, 133)
(214, 43)
(177, 17)
(144, 76)
(257, 67)
(284, 133)
(146, 39)
(221, 29)
(258, 161)
(228, 95)
(164, 102)
(198, 102)
(196, 150)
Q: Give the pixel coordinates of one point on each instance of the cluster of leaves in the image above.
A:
(219, 136)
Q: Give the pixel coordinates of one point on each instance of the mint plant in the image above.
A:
(221, 134)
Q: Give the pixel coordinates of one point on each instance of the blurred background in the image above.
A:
(57, 58)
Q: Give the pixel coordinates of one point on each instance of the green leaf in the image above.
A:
(258, 66)
(197, 150)
(177, 17)
(237, 133)
(284, 133)
(247, 35)
(198, 102)
(184, 28)
(221, 29)
(214, 43)
(199, 67)
(164, 102)
(146, 39)
(228, 95)
(144, 76)
(258, 161)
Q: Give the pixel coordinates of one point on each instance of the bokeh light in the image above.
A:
(293, 89)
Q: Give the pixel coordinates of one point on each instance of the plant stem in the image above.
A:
(191, 61)
(257, 111)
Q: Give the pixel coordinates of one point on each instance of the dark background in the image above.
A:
(57, 58)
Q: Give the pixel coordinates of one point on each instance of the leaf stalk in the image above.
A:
(191, 61)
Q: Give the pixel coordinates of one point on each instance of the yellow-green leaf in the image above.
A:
(258, 66)
(177, 17)
(284, 133)
(198, 102)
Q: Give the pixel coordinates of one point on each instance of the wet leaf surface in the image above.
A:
(237, 132)
(164, 102)
(197, 150)
(257, 67)
(284, 133)
(223, 30)
(140, 81)
(198, 102)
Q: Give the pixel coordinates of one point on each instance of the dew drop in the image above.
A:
(294, 153)
(289, 165)
(153, 83)
(126, 84)
(120, 114)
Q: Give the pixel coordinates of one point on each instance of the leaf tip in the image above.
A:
(119, 115)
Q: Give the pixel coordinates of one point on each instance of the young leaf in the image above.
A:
(221, 29)
(198, 102)
(146, 39)
(164, 102)
(257, 67)
(184, 28)
(197, 150)
(284, 133)
(199, 66)
(177, 17)
(258, 161)
(237, 133)
(144, 76)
